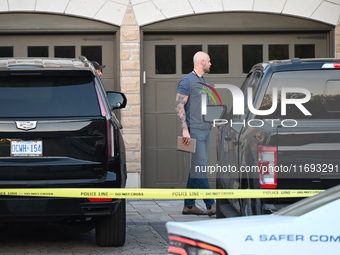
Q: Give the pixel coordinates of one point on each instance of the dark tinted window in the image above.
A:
(188, 52)
(252, 81)
(47, 96)
(304, 50)
(323, 85)
(251, 55)
(64, 51)
(219, 55)
(165, 59)
(278, 51)
(37, 51)
(6, 51)
(93, 53)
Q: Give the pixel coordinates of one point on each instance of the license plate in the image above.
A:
(26, 148)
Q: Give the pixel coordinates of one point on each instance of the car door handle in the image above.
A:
(227, 138)
(236, 142)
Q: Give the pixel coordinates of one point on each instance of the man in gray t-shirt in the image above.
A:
(193, 86)
(188, 108)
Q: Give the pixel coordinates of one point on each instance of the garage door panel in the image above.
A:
(151, 131)
(166, 137)
(167, 170)
(165, 96)
(183, 159)
(167, 173)
(149, 92)
(150, 162)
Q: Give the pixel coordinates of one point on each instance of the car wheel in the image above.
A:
(110, 230)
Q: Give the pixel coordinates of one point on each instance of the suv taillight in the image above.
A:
(110, 139)
(110, 131)
(184, 246)
(267, 166)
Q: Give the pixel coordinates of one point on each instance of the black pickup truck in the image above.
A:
(287, 137)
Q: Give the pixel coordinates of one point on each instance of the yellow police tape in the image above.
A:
(158, 193)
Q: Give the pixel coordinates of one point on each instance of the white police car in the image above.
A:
(310, 226)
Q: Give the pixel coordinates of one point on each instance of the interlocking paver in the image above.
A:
(145, 233)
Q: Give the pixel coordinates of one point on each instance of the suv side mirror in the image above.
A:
(117, 100)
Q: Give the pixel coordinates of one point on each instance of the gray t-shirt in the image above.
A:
(191, 86)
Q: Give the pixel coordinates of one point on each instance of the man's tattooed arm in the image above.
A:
(181, 100)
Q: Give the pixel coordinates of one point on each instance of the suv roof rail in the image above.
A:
(85, 60)
(296, 60)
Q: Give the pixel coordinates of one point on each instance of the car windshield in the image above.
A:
(47, 95)
(311, 203)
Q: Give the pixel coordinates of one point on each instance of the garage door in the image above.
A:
(94, 47)
(167, 58)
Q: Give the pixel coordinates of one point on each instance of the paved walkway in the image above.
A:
(146, 232)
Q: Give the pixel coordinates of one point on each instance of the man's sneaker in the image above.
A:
(193, 210)
(212, 210)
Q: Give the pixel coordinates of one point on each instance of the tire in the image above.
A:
(111, 229)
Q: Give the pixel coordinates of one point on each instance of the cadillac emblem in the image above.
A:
(26, 125)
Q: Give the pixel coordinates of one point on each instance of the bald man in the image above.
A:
(188, 108)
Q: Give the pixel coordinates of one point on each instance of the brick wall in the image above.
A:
(130, 85)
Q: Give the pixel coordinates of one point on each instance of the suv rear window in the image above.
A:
(38, 95)
(324, 86)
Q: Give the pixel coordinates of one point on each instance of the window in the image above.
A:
(219, 55)
(50, 95)
(311, 203)
(251, 55)
(252, 81)
(6, 51)
(65, 51)
(333, 96)
(37, 51)
(92, 53)
(165, 59)
(188, 52)
(323, 86)
(278, 51)
(305, 50)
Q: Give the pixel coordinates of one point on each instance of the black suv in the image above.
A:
(287, 137)
(58, 130)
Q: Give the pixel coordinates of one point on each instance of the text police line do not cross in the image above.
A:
(238, 101)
